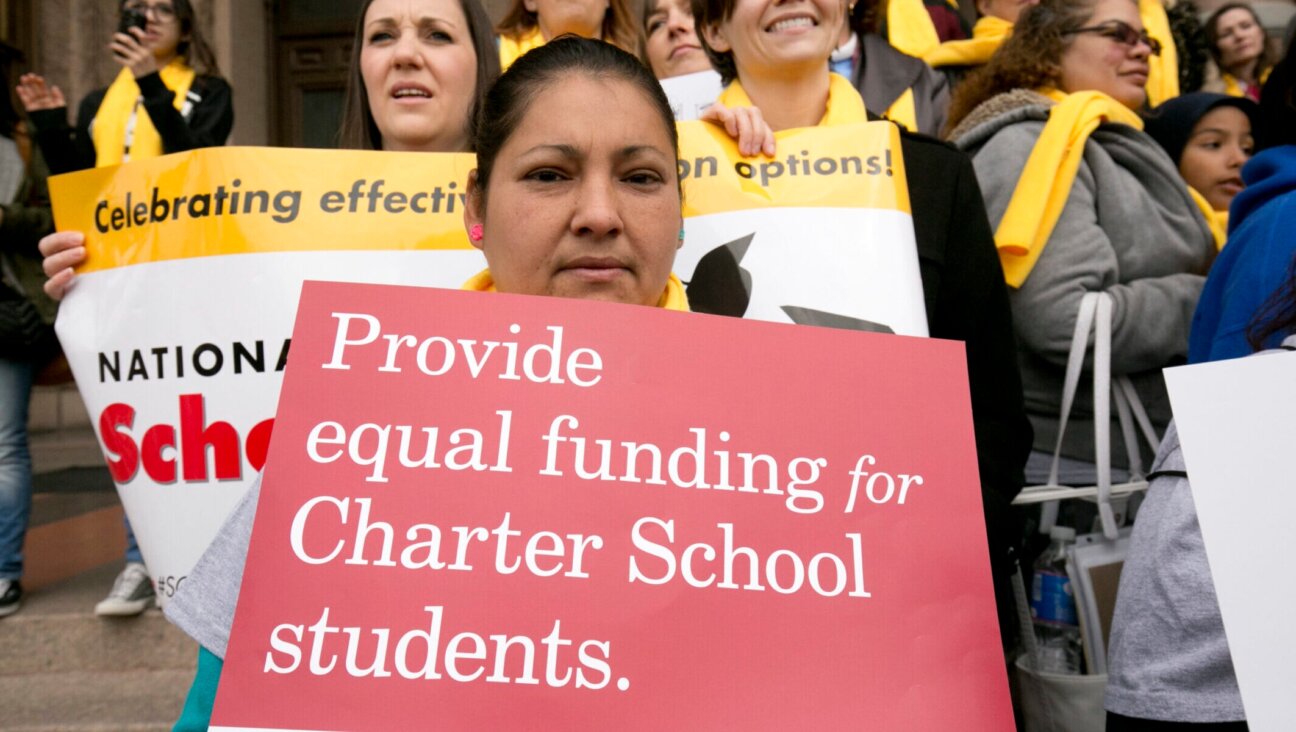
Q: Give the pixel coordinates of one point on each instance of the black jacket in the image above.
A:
(208, 123)
(967, 300)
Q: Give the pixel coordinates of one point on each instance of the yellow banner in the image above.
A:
(221, 201)
(844, 166)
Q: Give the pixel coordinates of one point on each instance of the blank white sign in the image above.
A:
(1237, 425)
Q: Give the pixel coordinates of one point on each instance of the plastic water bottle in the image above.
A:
(1053, 608)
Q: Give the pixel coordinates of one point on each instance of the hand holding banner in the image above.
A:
(821, 234)
(529, 511)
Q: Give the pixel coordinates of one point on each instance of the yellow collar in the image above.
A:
(844, 103)
(512, 47)
(988, 35)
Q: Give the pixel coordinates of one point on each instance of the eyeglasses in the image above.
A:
(1123, 34)
(162, 12)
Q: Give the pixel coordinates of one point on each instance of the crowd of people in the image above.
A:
(1053, 149)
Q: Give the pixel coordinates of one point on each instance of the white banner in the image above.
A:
(178, 330)
(1237, 429)
(819, 234)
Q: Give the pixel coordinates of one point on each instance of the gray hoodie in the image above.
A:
(1129, 228)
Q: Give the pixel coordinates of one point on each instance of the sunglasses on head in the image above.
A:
(1122, 33)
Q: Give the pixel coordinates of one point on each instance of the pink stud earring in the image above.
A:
(475, 232)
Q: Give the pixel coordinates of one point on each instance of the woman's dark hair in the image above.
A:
(1276, 319)
(1276, 124)
(511, 96)
(619, 27)
(866, 16)
(193, 46)
(9, 115)
(1190, 44)
(360, 132)
(1262, 64)
(649, 7)
(707, 13)
(1031, 57)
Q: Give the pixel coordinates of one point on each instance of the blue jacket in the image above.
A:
(1256, 261)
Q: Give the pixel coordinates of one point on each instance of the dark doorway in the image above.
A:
(312, 53)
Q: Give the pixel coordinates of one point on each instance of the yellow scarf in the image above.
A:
(121, 104)
(987, 35)
(1233, 87)
(1050, 171)
(904, 111)
(910, 28)
(512, 47)
(672, 299)
(1216, 220)
(1163, 70)
(844, 103)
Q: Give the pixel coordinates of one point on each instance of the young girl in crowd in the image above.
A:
(532, 23)
(538, 217)
(1239, 46)
(785, 76)
(1262, 235)
(1117, 219)
(1209, 136)
(168, 97)
(671, 46)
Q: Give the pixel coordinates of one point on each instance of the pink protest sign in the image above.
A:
(484, 511)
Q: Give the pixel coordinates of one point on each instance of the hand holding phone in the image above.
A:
(128, 43)
(131, 18)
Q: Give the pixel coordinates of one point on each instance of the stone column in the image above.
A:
(238, 35)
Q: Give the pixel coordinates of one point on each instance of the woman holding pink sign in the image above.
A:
(573, 196)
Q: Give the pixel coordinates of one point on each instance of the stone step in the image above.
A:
(81, 701)
(76, 519)
(57, 632)
(63, 669)
(57, 407)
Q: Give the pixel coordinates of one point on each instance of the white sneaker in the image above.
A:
(10, 596)
(132, 593)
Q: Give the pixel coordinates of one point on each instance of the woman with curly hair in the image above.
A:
(1082, 200)
(1190, 44)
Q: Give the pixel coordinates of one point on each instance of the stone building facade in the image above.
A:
(286, 59)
